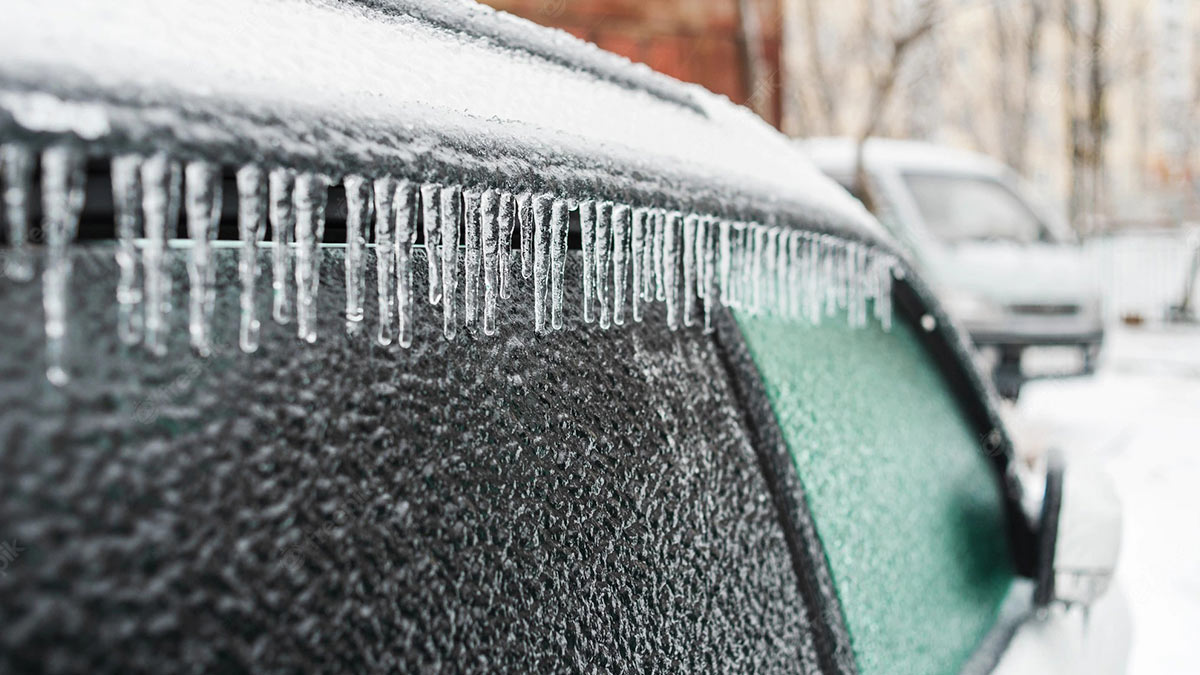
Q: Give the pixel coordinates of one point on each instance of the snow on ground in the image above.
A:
(1139, 416)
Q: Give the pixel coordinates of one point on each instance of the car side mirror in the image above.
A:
(1079, 537)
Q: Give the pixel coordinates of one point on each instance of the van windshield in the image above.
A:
(968, 208)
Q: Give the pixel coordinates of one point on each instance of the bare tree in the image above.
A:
(1085, 84)
(1017, 33)
(883, 83)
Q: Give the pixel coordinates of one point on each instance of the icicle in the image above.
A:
(816, 262)
(432, 214)
(489, 205)
(660, 227)
(382, 194)
(649, 246)
(587, 232)
(541, 259)
(702, 225)
(762, 274)
(559, 223)
(62, 198)
(603, 261)
(620, 225)
(310, 196)
(671, 262)
(358, 215)
(795, 280)
(777, 263)
(829, 257)
(725, 261)
(16, 163)
(451, 207)
(471, 263)
(742, 268)
(127, 209)
(405, 206)
(888, 271)
(252, 201)
(203, 184)
(283, 233)
(690, 224)
(710, 272)
(637, 252)
(160, 210)
(506, 221)
(525, 216)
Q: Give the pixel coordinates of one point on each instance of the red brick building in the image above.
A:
(697, 41)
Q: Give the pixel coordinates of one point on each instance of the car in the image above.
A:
(1006, 266)
(408, 336)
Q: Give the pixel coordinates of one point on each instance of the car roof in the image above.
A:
(837, 155)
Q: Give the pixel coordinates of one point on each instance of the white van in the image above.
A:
(1006, 267)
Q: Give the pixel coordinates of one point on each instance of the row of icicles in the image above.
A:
(631, 255)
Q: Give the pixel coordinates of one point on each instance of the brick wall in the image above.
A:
(692, 40)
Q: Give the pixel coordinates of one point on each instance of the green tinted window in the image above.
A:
(903, 499)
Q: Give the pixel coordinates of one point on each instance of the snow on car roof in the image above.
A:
(397, 83)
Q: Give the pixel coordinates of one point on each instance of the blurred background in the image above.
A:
(1040, 159)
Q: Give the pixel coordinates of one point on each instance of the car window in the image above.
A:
(967, 208)
(902, 496)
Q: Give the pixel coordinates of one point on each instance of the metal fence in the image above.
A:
(1144, 274)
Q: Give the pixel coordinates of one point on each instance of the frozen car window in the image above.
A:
(903, 498)
(965, 208)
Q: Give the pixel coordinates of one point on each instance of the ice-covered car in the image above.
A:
(1006, 266)
(406, 336)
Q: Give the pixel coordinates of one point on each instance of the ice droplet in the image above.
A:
(690, 223)
(587, 232)
(405, 206)
(620, 225)
(489, 206)
(382, 193)
(506, 221)
(160, 211)
(671, 262)
(282, 214)
(358, 215)
(559, 221)
(471, 262)
(603, 261)
(62, 199)
(448, 226)
(203, 184)
(127, 212)
(16, 164)
(252, 201)
(310, 196)
(637, 251)
(525, 216)
(431, 216)
(541, 260)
